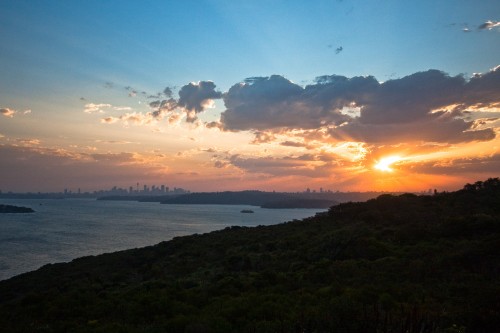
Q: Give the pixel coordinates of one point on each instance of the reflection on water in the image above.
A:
(61, 230)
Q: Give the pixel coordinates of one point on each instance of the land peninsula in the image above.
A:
(255, 198)
(15, 209)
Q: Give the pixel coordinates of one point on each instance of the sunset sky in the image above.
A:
(231, 95)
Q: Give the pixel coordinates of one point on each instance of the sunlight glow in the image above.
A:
(385, 163)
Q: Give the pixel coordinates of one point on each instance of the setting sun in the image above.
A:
(385, 163)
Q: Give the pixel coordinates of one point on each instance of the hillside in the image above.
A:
(402, 263)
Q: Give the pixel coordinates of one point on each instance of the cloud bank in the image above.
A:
(425, 106)
(428, 106)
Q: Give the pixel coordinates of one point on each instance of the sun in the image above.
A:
(384, 164)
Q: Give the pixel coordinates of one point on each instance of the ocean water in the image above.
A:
(62, 230)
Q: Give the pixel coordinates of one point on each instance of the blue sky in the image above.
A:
(156, 43)
(58, 56)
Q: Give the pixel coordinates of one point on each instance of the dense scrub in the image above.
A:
(393, 264)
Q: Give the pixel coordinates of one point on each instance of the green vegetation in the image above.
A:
(402, 263)
(15, 209)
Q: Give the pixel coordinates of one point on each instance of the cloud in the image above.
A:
(113, 157)
(265, 103)
(425, 106)
(488, 25)
(7, 112)
(167, 92)
(110, 120)
(119, 142)
(263, 137)
(29, 142)
(474, 165)
(95, 108)
(135, 118)
(131, 91)
(410, 98)
(214, 124)
(306, 165)
(174, 118)
(163, 107)
(55, 169)
(484, 121)
(196, 97)
(432, 130)
(103, 107)
(294, 144)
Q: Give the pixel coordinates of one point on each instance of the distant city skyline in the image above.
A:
(145, 189)
(266, 95)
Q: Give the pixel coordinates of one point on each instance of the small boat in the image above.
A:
(247, 211)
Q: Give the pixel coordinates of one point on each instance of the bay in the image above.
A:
(62, 230)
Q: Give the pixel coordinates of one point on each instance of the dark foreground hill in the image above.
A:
(393, 264)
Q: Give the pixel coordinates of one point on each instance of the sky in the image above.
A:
(231, 95)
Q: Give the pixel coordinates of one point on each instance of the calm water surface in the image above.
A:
(61, 230)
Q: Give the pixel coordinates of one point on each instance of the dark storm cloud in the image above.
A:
(195, 97)
(425, 106)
